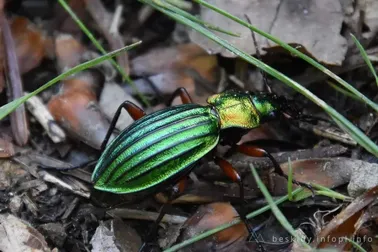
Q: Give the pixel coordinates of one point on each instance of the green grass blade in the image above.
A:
(294, 51)
(366, 57)
(330, 193)
(355, 244)
(225, 226)
(347, 126)
(276, 211)
(182, 4)
(344, 92)
(11, 106)
(102, 50)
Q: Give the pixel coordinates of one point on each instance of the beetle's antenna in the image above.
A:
(258, 56)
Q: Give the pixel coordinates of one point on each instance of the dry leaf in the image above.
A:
(315, 25)
(6, 146)
(333, 172)
(17, 235)
(329, 172)
(30, 43)
(115, 236)
(211, 216)
(187, 66)
(68, 52)
(111, 98)
(76, 109)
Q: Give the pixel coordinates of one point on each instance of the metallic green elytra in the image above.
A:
(168, 142)
(156, 147)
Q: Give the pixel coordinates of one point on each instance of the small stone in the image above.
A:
(364, 176)
(15, 205)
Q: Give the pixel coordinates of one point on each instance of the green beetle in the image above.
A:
(165, 145)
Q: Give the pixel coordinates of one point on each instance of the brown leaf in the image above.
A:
(6, 147)
(329, 172)
(333, 172)
(68, 51)
(30, 43)
(76, 109)
(210, 216)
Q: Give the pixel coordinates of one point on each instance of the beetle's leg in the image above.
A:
(258, 152)
(134, 111)
(149, 243)
(184, 95)
(235, 177)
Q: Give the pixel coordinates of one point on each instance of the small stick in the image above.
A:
(258, 56)
(42, 114)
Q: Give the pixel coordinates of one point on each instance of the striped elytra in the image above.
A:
(157, 147)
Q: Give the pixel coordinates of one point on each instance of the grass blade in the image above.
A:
(355, 244)
(366, 57)
(11, 106)
(276, 211)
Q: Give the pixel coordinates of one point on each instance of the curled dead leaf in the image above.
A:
(210, 216)
(76, 109)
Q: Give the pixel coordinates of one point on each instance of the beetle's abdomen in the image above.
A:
(156, 147)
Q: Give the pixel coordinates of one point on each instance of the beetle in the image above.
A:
(164, 146)
(167, 144)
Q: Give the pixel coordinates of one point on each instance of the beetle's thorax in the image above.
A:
(235, 109)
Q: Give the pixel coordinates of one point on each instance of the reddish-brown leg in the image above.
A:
(149, 243)
(230, 172)
(258, 152)
(134, 111)
(184, 95)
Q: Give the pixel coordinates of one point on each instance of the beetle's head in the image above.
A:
(273, 107)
